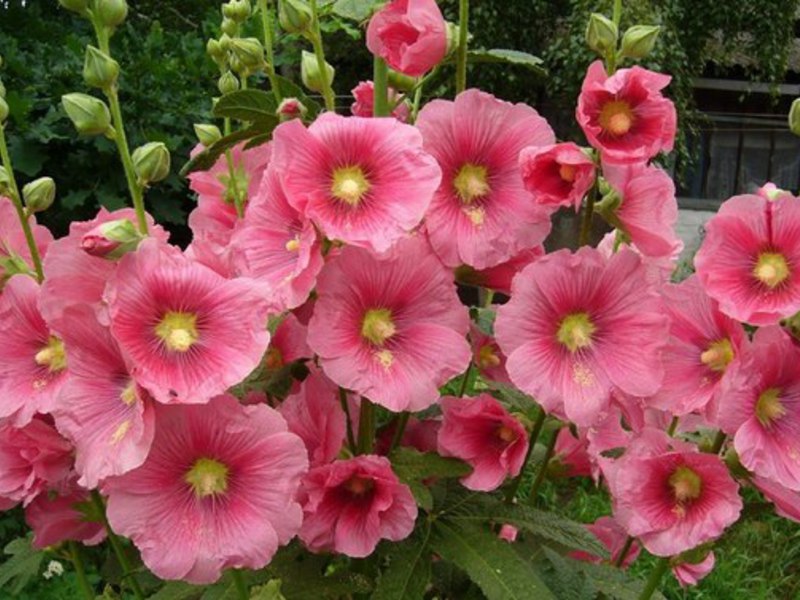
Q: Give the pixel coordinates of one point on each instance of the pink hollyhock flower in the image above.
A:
(482, 433)
(482, 215)
(33, 363)
(287, 345)
(688, 573)
(351, 505)
(410, 35)
(508, 533)
(579, 325)
(625, 116)
(614, 538)
(499, 277)
(33, 459)
(55, 517)
(216, 491)
(557, 175)
(648, 210)
(189, 333)
(786, 501)
(366, 182)
(703, 344)
(487, 356)
(760, 406)
(314, 414)
(659, 269)
(364, 94)
(749, 260)
(390, 328)
(571, 457)
(770, 191)
(420, 434)
(107, 416)
(278, 247)
(15, 256)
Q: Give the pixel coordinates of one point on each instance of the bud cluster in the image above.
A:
(236, 57)
(602, 36)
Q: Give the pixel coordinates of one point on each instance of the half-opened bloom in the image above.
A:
(287, 344)
(364, 94)
(690, 573)
(557, 175)
(56, 517)
(487, 356)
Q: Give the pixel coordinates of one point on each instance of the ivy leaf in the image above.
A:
(509, 57)
(410, 464)
(355, 10)
(21, 567)
(247, 105)
(205, 160)
(409, 570)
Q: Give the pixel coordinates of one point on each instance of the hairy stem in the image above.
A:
(461, 53)
(366, 427)
(655, 578)
(80, 571)
(588, 216)
(381, 96)
(319, 51)
(269, 45)
(400, 429)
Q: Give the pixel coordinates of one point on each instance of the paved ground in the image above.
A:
(690, 229)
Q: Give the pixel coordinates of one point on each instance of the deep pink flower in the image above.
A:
(499, 277)
(786, 501)
(482, 433)
(15, 256)
(410, 35)
(508, 533)
(613, 537)
(188, 332)
(390, 328)
(557, 175)
(55, 517)
(625, 116)
(571, 457)
(579, 325)
(749, 260)
(364, 94)
(287, 345)
(350, 505)
(33, 363)
(487, 356)
(366, 182)
(688, 573)
(482, 215)
(217, 490)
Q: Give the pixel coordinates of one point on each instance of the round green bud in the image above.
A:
(794, 117)
(39, 194)
(310, 73)
(151, 162)
(4, 110)
(227, 83)
(601, 34)
(230, 27)
(76, 6)
(638, 41)
(241, 10)
(207, 134)
(225, 42)
(249, 51)
(5, 181)
(294, 16)
(90, 115)
(2, 89)
(111, 13)
(99, 69)
(215, 50)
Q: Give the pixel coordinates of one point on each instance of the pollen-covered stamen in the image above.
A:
(576, 331)
(293, 245)
(349, 184)
(616, 117)
(208, 477)
(128, 395)
(378, 326)
(718, 355)
(487, 357)
(769, 407)
(771, 269)
(471, 183)
(359, 486)
(178, 330)
(52, 355)
(506, 434)
(567, 172)
(686, 485)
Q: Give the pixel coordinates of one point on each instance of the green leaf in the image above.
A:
(355, 10)
(270, 591)
(409, 570)
(410, 464)
(178, 590)
(493, 564)
(422, 494)
(303, 577)
(514, 398)
(247, 105)
(21, 567)
(205, 160)
(509, 57)
(614, 583)
(566, 581)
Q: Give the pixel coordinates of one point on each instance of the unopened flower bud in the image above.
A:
(601, 34)
(249, 51)
(228, 83)
(291, 108)
(638, 41)
(3, 110)
(151, 162)
(207, 134)
(229, 26)
(2, 90)
(237, 10)
(401, 82)
(111, 13)
(215, 50)
(99, 69)
(794, 117)
(90, 115)
(112, 239)
(5, 181)
(452, 38)
(77, 6)
(294, 16)
(39, 194)
(310, 73)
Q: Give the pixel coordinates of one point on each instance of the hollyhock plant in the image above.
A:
(364, 94)
(351, 505)
(287, 344)
(410, 35)
(611, 534)
(625, 116)
(482, 215)
(217, 490)
(15, 256)
(689, 573)
(557, 175)
(659, 269)
(188, 332)
(579, 325)
(482, 433)
(390, 328)
(487, 356)
(56, 517)
(750, 256)
(366, 182)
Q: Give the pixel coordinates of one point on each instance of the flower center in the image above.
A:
(567, 172)
(487, 357)
(178, 330)
(349, 185)
(576, 331)
(686, 484)
(208, 477)
(359, 486)
(293, 245)
(128, 395)
(274, 359)
(616, 117)
(718, 355)
(471, 183)
(377, 326)
(52, 355)
(769, 407)
(771, 269)
(506, 434)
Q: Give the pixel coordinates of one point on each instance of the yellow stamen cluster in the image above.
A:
(178, 330)
(769, 407)
(686, 485)
(52, 355)
(616, 117)
(576, 331)
(771, 269)
(718, 355)
(471, 183)
(208, 477)
(378, 326)
(349, 184)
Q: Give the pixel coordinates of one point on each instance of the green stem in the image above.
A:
(366, 427)
(80, 571)
(16, 200)
(351, 440)
(617, 14)
(662, 566)
(116, 546)
(551, 446)
(381, 95)
(417, 101)
(719, 440)
(400, 429)
(461, 53)
(511, 493)
(673, 426)
(241, 586)
(465, 382)
(319, 51)
(588, 215)
(620, 560)
(269, 45)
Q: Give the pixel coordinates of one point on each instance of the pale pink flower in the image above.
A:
(786, 501)
(55, 517)
(579, 325)
(366, 182)
(487, 356)
(557, 175)
(625, 116)
(482, 215)
(351, 505)
(613, 537)
(390, 328)
(364, 95)
(749, 260)
(217, 490)
(188, 332)
(688, 573)
(15, 255)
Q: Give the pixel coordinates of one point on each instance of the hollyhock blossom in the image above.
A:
(658, 269)
(420, 434)
(390, 328)
(749, 260)
(703, 343)
(579, 325)
(688, 573)
(410, 35)
(508, 533)
(276, 246)
(557, 175)
(482, 433)
(614, 538)
(287, 345)
(351, 505)
(15, 255)
(770, 191)
(188, 332)
(33, 362)
(366, 182)
(482, 215)
(499, 277)
(625, 116)
(786, 501)
(217, 490)
(364, 94)
(760, 407)
(487, 356)
(571, 458)
(56, 517)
